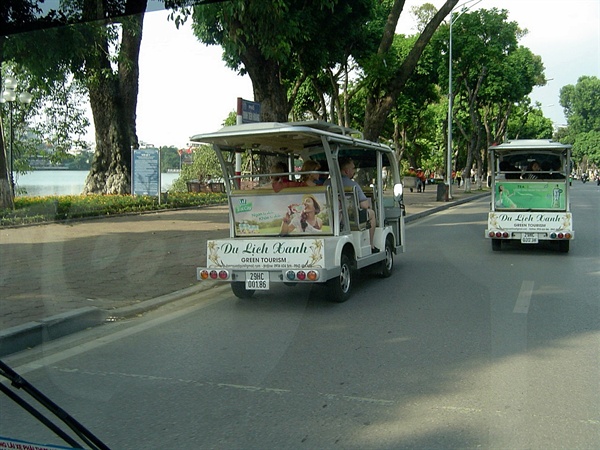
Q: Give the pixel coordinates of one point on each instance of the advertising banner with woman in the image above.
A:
(286, 213)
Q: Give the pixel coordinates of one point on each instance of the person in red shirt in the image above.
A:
(282, 181)
(421, 180)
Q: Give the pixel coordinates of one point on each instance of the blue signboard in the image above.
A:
(250, 111)
(145, 172)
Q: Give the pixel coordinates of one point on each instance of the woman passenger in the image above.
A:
(310, 179)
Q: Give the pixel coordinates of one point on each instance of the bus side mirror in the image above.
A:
(398, 191)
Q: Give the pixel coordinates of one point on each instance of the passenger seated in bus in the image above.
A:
(505, 166)
(534, 166)
(552, 170)
(305, 220)
(279, 182)
(310, 179)
(324, 176)
(348, 170)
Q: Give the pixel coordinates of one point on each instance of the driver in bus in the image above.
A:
(348, 169)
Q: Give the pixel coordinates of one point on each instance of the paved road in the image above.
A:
(115, 267)
(461, 348)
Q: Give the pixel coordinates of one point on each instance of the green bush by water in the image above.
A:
(29, 210)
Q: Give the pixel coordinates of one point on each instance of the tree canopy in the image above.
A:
(581, 103)
(327, 59)
(279, 44)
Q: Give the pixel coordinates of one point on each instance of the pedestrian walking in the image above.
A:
(421, 180)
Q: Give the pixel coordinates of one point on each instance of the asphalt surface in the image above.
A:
(60, 278)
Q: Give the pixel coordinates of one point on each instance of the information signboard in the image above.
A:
(145, 172)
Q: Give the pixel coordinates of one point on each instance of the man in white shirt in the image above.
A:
(348, 169)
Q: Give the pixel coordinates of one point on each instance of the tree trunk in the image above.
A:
(6, 192)
(111, 165)
(113, 100)
(269, 91)
(379, 107)
(129, 72)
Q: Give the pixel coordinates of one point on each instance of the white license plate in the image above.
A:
(529, 238)
(258, 281)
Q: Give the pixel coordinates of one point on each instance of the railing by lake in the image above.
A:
(39, 183)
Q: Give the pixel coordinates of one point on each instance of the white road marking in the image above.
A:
(524, 298)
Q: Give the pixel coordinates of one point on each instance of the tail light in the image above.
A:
(301, 275)
(559, 235)
(213, 274)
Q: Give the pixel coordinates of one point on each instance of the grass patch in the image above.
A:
(31, 210)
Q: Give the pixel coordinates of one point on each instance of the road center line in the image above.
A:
(524, 298)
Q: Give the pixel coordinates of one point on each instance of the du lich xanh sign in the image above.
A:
(277, 253)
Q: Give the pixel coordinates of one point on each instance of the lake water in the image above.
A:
(66, 182)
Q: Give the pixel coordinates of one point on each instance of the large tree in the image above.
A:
(581, 103)
(113, 97)
(491, 73)
(382, 96)
(586, 150)
(101, 51)
(57, 45)
(409, 122)
(280, 44)
(527, 121)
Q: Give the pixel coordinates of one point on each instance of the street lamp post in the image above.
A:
(450, 98)
(9, 94)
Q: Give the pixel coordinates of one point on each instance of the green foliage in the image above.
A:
(587, 146)
(413, 115)
(169, 159)
(317, 34)
(317, 39)
(51, 126)
(582, 104)
(280, 44)
(527, 122)
(423, 14)
(414, 110)
(491, 74)
(204, 166)
(30, 210)
(80, 161)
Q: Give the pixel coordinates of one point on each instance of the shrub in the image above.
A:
(30, 210)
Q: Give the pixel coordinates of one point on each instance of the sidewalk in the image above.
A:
(61, 278)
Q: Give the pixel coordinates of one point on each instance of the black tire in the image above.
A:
(496, 244)
(340, 288)
(563, 246)
(386, 267)
(240, 291)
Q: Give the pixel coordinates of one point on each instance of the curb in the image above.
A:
(32, 334)
(446, 205)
